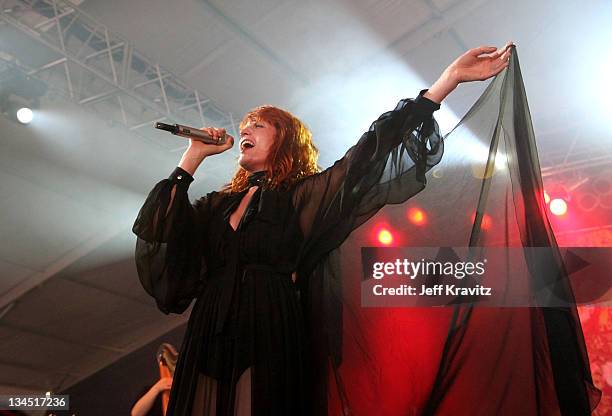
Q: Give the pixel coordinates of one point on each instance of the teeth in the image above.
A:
(246, 144)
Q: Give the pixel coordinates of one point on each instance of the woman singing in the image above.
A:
(246, 252)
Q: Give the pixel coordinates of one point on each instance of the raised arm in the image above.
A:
(477, 64)
(386, 166)
(389, 162)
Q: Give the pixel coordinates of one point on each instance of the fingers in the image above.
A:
(482, 49)
(499, 52)
(500, 59)
(502, 51)
(506, 55)
(215, 133)
(503, 60)
(230, 142)
(218, 134)
(493, 52)
(499, 66)
(164, 384)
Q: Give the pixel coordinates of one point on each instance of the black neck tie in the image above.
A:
(258, 178)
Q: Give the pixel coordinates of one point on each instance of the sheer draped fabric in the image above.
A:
(307, 347)
(461, 359)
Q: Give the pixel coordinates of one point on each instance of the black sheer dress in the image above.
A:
(248, 347)
(259, 343)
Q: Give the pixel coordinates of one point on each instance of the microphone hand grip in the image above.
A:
(191, 133)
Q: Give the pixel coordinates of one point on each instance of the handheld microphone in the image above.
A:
(191, 133)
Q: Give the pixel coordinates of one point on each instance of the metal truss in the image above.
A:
(567, 153)
(101, 70)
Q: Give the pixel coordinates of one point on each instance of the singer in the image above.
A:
(246, 252)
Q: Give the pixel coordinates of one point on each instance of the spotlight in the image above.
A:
(558, 206)
(18, 108)
(25, 115)
(416, 216)
(546, 197)
(19, 95)
(385, 237)
(485, 223)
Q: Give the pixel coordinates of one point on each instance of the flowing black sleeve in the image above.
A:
(169, 256)
(386, 166)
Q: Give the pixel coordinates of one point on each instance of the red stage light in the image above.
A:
(385, 237)
(558, 206)
(486, 221)
(416, 216)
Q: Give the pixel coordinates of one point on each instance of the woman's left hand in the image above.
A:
(480, 63)
(477, 64)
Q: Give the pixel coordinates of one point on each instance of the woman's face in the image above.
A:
(256, 139)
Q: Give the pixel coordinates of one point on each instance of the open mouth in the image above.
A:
(246, 144)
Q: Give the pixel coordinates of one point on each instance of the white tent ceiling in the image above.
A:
(70, 186)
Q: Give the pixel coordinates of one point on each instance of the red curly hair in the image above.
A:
(293, 155)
